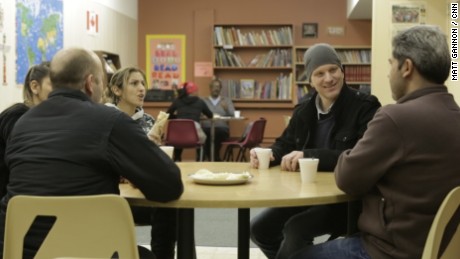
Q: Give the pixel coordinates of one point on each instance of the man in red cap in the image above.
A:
(189, 106)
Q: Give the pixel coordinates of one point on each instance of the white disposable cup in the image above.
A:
(308, 169)
(169, 150)
(237, 114)
(263, 155)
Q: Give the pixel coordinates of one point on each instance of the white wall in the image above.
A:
(436, 13)
(117, 34)
(9, 92)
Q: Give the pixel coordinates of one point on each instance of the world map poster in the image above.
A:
(39, 33)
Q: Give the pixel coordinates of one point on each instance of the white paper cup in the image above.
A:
(237, 114)
(308, 169)
(263, 155)
(169, 150)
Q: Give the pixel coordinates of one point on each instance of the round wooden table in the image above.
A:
(267, 188)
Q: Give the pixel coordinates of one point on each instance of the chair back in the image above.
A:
(182, 133)
(256, 133)
(286, 120)
(445, 213)
(94, 226)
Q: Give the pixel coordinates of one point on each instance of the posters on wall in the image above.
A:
(405, 14)
(165, 64)
(39, 34)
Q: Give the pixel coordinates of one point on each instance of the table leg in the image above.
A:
(354, 209)
(186, 234)
(211, 143)
(243, 233)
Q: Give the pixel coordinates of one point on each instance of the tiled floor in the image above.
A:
(207, 252)
(225, 253)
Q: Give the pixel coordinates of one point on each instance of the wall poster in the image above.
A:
(405, 14)
(165, 64)
(39, 35)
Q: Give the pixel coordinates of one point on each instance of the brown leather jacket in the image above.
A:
(404, 166)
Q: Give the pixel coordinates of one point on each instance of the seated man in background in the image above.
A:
(219, 105)
(72, 145)
(407, 161)
(332, 120)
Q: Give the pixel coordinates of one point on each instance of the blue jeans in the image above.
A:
(342, 248)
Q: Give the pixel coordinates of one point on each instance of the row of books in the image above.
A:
(348, 56)
(274, 58)
(278, 89)
(235, 37)
(357, 73)
(354, 56)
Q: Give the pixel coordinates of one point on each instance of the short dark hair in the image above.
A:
(427, 47)
(37, 73)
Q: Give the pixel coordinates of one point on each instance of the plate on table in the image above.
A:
(204, 176)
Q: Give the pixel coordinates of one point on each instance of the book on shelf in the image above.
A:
(357, 73)
(284, 86)
(303, 91)
(230, 88)
(302, 77)
(247, 88)
(218, 36)
(226, 58)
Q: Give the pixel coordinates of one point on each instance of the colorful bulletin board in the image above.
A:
(165, 64)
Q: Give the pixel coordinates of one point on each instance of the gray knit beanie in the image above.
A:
(318, 55)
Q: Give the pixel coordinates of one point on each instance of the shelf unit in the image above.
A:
(356, 62)
(110, 63)
(254, 62)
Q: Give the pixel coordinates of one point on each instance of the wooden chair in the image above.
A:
(433, 242)
(253, 138)
(94, 226)
(182, 133)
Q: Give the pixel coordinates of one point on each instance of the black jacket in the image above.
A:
(68, 145)
(189, 107)
(351, 111)
(7, 120)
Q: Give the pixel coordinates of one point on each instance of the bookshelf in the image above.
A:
(356, 62)
(254, 62)
(110, 62)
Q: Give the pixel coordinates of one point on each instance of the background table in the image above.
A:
(268, 188)
(213, 131)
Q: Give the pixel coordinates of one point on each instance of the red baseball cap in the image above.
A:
(190, 87)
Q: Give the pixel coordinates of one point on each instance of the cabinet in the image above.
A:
(254, 62)
(356, 62)
(110, 63)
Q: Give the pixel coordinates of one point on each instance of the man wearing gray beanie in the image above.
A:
(318, 55)
(328, 122)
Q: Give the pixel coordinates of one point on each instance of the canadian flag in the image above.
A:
(92, 22)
